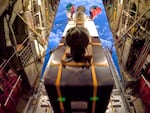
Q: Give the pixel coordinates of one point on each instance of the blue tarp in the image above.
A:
(101, 23)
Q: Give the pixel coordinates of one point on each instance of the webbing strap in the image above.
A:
(57, 83)
(95, 84)
(96, 44)
(103, 64)
(79, 64)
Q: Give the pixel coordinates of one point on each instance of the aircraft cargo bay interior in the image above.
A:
(79, 56)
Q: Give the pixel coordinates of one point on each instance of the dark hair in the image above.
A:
(77, 38)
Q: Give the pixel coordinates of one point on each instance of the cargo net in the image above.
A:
(26, 54)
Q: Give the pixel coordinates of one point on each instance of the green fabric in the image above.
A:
(68, 7)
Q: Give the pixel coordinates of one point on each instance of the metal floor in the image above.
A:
(40, 103)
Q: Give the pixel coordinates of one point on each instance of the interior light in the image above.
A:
(121, 1)
(39, 2)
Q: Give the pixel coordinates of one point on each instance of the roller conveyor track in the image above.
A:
(120, 102)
